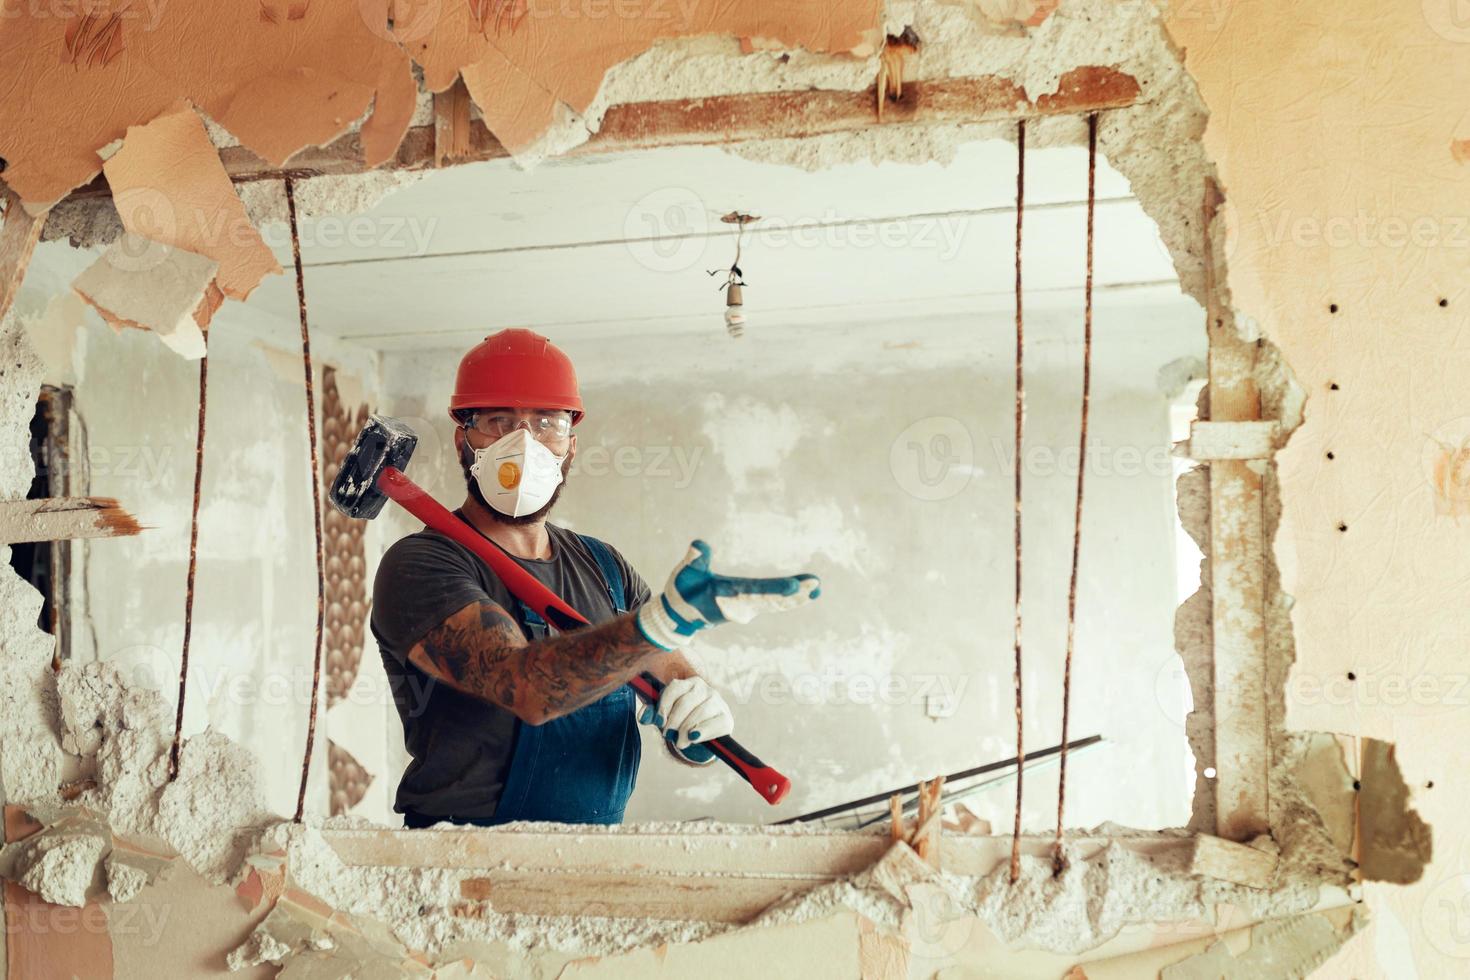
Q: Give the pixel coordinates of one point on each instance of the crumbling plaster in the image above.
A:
(1346, 607)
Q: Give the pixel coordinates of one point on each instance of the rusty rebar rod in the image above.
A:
(1057, 860)
(173, 752)
(1020, 436)
(316, 499)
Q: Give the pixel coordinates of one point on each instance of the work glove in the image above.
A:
(696, 597)
(690, 712)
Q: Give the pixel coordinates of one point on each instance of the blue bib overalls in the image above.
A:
(579, 768)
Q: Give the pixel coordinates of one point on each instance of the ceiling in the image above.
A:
(585, 246)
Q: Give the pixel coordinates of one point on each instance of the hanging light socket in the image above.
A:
(734, 310)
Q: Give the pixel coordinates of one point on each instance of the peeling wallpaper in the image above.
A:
(280, 78)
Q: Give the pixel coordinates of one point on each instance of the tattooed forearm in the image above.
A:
(481, 651)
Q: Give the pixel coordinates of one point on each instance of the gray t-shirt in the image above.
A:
(461, 746)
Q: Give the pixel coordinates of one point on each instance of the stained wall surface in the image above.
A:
(1339, 132)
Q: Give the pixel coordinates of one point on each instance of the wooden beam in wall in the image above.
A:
(1237, 575)
(715, 120)
(1210, 440)
(452, 124)
(63, 519)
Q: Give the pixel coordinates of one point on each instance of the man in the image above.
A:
(505, 718)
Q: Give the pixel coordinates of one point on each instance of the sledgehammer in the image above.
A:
(372, 474)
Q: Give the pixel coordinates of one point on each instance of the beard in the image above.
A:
(467, 459)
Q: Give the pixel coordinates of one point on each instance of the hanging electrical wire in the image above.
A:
(173, 752)
(1057, 859)
(1020, 435)
(734, 284)
(316, 499)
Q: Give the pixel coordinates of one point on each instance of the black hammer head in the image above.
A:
(383, 442)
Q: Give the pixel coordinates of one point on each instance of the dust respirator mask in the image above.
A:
(517, 475)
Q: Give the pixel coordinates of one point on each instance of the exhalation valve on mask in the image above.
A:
(517, 475)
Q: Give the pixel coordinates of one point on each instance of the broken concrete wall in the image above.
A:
(1349, 252)
(1379, 363)
(133, 438)
(901, 500)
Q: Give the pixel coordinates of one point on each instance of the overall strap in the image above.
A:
(612, 576)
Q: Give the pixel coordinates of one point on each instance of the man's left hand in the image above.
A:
(690, 712)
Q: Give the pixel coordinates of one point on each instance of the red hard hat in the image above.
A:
(516, 368)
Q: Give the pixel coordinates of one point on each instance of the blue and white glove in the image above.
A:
(688, 713)
(696, 597)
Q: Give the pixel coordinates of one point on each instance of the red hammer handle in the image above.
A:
(769, 783)
(520, 582)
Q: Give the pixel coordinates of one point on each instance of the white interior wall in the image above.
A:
(816, 448)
